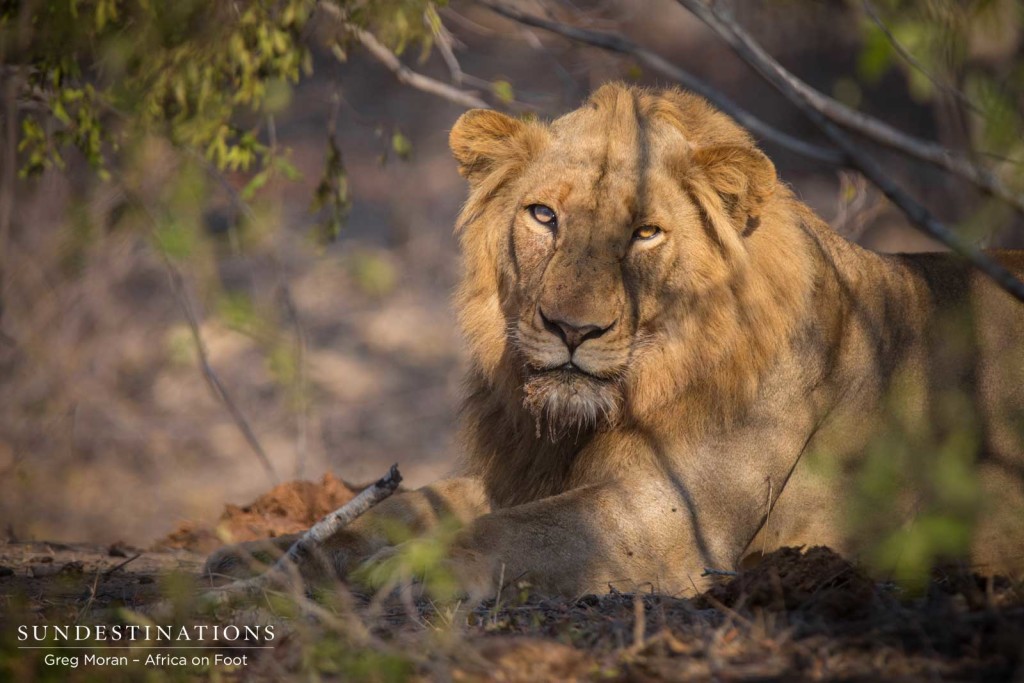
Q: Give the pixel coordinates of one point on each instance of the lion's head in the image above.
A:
(616, 258)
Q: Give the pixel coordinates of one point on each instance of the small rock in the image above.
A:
(73, 568)
(39, 571)
(118, 549)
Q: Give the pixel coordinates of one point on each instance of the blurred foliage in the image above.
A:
(96, 75)
(332, 190)
(422, 558)
(372, 272)
(185, 69)
(917, 492)
(967, 52)
(963, 57)
(333, 656)
(174, 105)
(918, 489)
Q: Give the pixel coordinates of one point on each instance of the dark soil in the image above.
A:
(796, 615)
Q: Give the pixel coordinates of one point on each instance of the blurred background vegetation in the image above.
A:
(225, 227)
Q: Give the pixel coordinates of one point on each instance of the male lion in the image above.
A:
(674, 364)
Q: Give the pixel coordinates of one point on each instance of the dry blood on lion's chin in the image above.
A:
(568, 402)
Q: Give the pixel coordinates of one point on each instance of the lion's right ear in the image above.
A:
(483, 140)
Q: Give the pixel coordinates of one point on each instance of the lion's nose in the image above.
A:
(573, 334)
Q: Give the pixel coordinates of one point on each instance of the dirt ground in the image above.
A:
(799, 614)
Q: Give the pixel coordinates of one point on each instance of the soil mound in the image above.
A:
(819, 582)
(285, 509)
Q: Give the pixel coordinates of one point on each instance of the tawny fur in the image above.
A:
(749, 363)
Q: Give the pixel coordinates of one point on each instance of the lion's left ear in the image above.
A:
(731, 183)
(742, 176)
(483, 141)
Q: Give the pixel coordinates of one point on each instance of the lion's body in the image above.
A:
(746, 378)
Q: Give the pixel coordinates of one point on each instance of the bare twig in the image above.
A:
(639, 622)
(177, 283)
(767, 517)
(444, 41)
(407, 76)
(614, 42)
(292, 311)
(404, 74)
(121, 565)
(302, 414)
(310, 543)
(389, 59)
(810, 102)
(220, 391)
(837, 112)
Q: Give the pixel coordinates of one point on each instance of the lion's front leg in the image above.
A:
(626, 534)
(242, 560)
(412, 513)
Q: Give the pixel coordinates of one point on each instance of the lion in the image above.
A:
(674, 365)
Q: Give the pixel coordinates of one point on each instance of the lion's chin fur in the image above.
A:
(566, 402)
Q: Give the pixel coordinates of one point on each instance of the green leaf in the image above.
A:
(278, 96)
(875, 56)
(503, 91)
(401, 145)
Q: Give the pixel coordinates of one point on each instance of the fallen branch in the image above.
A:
(310, 543)
(120, 565)
(874, 129)
(614, 42)
(810, 102)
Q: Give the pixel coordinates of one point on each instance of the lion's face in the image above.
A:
(596, 243)
(605, 229)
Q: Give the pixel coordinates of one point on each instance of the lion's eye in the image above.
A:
(646, 232)
(543, 215)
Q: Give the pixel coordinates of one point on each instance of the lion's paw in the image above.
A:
(245, 560)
